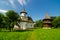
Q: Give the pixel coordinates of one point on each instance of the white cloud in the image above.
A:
(23, 2)
(12, 3)
(3, 11)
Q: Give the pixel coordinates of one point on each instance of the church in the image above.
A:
(25, 22)
(47, 22)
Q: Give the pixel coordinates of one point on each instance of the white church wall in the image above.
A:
(30, 25)
(23, 25)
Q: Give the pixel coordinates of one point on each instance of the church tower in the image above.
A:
(47, 21)
(23, 14)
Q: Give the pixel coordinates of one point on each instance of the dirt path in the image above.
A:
(32, 36)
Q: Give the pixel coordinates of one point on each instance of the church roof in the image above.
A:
(23, 11)
(30, 19)
(47, 16)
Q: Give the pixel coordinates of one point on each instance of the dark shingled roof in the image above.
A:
(30, 19)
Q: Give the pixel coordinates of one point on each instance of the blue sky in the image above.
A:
(35, 8)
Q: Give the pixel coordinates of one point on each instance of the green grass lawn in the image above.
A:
(36, 34)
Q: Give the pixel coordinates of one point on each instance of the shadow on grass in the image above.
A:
(22, 30)
(15, 30)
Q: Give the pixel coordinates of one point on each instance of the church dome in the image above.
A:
(23, 11)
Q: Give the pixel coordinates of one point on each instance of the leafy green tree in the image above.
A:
(2, 21)
(56, 22)
(38, 23)
(12, 17)
(53, 17)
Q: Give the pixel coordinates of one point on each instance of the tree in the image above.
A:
(38, 23)
(53, 17)
(56, 22)
(2, 21)
(12, 17)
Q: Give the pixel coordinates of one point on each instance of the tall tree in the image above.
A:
(12, 17)
(38, 23)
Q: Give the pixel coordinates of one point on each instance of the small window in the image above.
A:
(31, 25)
(26, 24)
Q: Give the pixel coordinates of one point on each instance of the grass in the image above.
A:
(36, 34)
